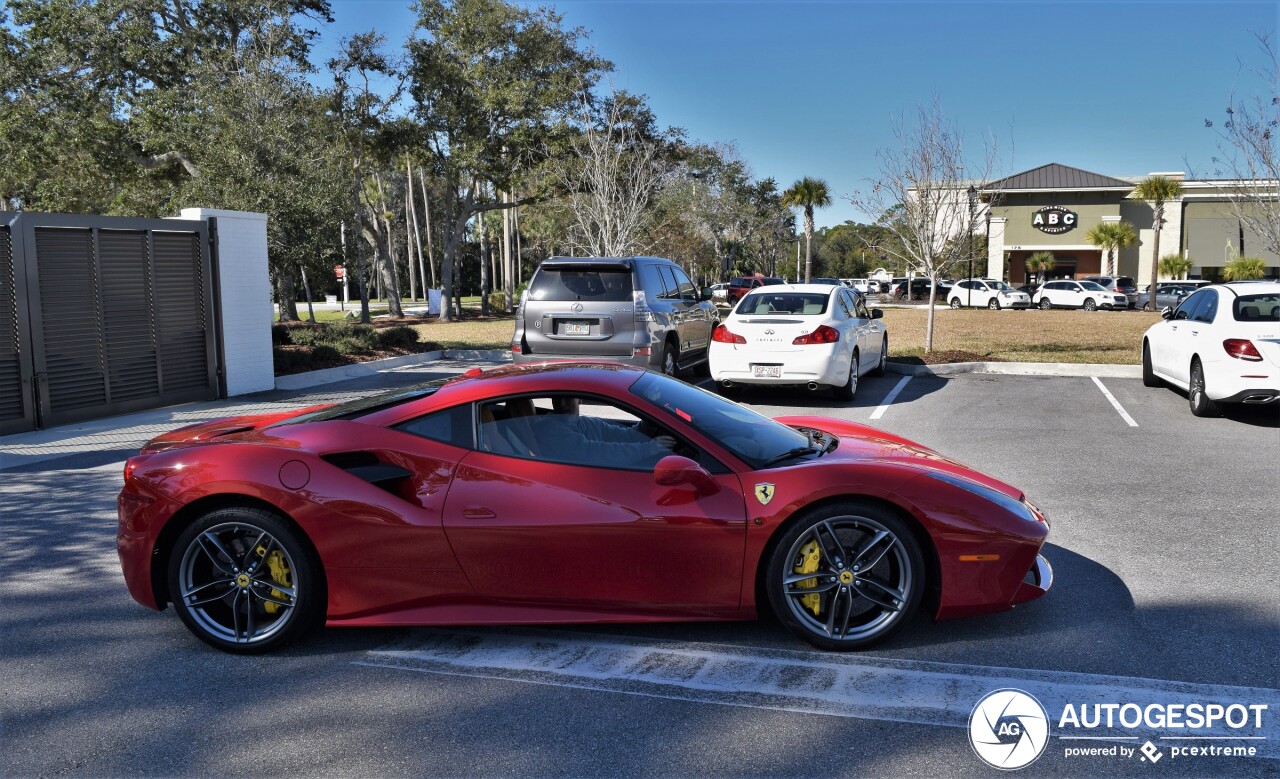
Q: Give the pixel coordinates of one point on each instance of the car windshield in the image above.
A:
(1092, 286)
(793, 303)
(1257, 308)
(604, 284)
(753, 438)
(368, 405)
(999, 285)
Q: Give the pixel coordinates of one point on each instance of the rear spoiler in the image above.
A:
(586, 263)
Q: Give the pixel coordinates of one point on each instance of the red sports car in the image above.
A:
(570, 492)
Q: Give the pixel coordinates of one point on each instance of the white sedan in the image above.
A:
(1221, 344)
(1089, 295)
(987, 293)
(808, 334)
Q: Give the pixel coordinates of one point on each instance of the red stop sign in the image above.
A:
(339, 271)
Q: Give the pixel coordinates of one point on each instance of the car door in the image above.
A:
(1169, 340)
(554, 521)
(844, 315)
(696, 325)
(873, 334)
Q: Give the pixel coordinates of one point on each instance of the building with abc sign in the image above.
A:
(1052, 208)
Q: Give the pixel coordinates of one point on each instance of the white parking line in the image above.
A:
(807, 682)
(888, 399)
(1124, 414)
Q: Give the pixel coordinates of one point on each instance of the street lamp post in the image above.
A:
(973, 197)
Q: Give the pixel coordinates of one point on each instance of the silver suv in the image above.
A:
(639, 310)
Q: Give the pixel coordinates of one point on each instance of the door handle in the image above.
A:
(477, 512)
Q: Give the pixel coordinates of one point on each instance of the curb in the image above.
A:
(1101, 370)
(361, 369)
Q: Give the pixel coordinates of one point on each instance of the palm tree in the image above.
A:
(1111, 237)
(1040, 262)
(1244, 268)
(1175, 266)
(1157, 190)
(807, 193)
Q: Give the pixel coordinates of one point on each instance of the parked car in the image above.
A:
(1030, 291)
(744, 284)
(919, 289)
(720, 293)
(1067, 293)
(862, 286)
(1167, 295)
(640, 310)
(1221, 344)
(987, 293)
(802, 334)
(1122, 285)
(460, 502)
(826, 280)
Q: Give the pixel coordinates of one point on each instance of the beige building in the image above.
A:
(1052, 208)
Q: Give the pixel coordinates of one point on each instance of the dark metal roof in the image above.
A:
(1058, 177)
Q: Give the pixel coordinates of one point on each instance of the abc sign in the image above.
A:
(1054, 219)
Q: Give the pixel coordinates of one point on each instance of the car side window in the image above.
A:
(651, 281)
(861, 308)
(1208, 309)
(1187, 308)
(451, 426)
(671, 290)
(578, 430)
(684, 286)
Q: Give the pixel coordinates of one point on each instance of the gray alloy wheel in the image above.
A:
(242, 581)
(955, 302)
(994, 304)
(1201, 404)
(1045, 305)
(847, 576)
(670, 361)
(1090, 305)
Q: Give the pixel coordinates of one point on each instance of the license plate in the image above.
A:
(576, 327)
(767, 371)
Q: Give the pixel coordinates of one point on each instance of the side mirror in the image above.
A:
(1166, 312)
(877, 313)
(706, 294)
(674, 471)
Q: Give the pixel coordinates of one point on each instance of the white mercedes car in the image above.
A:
(987, 293)
(1221, 344)
(811, 335)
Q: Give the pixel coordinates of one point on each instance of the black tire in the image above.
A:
(1149, 378)
(1146, 306)
(229, 555)
(845, 393)
(955, 302)
(670, 360)
(1197, 398)
(884, 357)
(881, 600)
(993, 304)
(1090, 305)
(1045, 305)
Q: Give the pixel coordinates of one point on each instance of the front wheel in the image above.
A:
(245, 581)
(955, 302)
(1090, 305)
(1201, 404)
(884, 357)
(1146, 306)
(994, 305)
(1148, 373)
(1045, 305)
(670, 360)
(846, 576)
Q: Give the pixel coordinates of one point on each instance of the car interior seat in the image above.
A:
(1250, 313)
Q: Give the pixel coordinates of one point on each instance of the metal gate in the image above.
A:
(102, 316)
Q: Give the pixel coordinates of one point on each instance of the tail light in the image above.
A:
(1242, 349)
(723, 335)
(823, 335)
(643, 312)
(515, 347)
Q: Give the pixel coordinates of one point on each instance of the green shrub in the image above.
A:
(323, 352)
(497, 301)
(397, 337)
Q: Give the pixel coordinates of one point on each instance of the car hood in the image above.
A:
(864, 444)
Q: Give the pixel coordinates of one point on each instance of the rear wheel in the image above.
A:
(994, 304)
(1045, 305)
(1090, 305)
(1148, 373)
(846, 576)
(850, 387)
(245, 581)
(1200, 403)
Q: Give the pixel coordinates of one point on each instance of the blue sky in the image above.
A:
(812, 88)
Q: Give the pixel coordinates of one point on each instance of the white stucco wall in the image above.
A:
(245, 314)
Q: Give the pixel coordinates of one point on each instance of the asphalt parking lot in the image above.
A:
(1164, 546)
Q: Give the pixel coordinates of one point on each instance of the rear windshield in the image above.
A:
(1125, 281)
(1257, 308)
(798, 303)
(605, 284)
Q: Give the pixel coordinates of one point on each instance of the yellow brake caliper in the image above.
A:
(809, 558)
(280, 574)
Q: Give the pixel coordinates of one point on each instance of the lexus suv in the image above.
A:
(639, 310)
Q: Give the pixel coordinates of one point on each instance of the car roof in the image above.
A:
(822, 289)
(1251, 287)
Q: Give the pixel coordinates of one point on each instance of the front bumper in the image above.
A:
(1036, 583)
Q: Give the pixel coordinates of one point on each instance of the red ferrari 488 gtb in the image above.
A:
(567, 492)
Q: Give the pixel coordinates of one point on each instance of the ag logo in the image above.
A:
(1008, 729)
(764, 493)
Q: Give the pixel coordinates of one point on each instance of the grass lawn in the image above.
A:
(1017, 336)
(1023, 336)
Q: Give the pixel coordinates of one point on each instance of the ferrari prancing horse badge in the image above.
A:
(764, 493)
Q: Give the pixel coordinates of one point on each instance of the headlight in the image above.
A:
(1019, 508)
